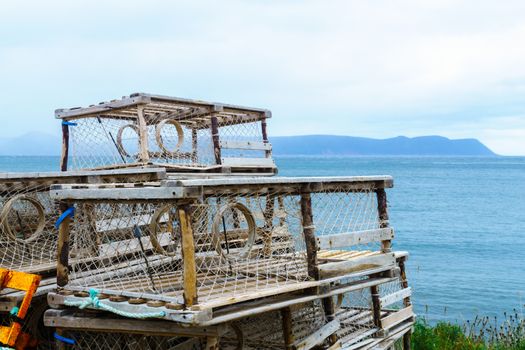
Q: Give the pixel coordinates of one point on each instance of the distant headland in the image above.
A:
(362, 146)
(41, 144)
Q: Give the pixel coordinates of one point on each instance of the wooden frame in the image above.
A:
(322, 271)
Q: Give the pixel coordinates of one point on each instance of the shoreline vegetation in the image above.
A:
(483, 333)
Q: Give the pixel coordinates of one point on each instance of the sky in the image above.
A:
(361, 68)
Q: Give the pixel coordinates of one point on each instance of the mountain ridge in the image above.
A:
(41, 144)
(395, 146)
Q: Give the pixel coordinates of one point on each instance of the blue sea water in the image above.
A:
(461, 218)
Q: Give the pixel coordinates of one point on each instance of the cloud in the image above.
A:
(374, 68)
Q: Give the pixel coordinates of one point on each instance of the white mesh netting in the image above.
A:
(27, 236)
(113, 140)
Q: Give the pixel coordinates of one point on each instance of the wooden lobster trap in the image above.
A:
(335, 321)
(179, 134)
(189, 248)
(28, 217)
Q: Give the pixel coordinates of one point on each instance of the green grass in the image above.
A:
(483, 333)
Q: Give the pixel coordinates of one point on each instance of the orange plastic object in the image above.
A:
(24, 282)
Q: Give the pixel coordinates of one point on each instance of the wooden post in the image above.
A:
(194, 146)
(287, 323)
(143, 135)
(215, 139)
(65, 147)
(329, 311)
(406, 302)
(212, 343)
(265, 137)
(376, 306)
(382, 209)
(309, 235)
(188, 256)
(268, 225)
(63, 248)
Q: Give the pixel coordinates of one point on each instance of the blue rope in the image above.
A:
(94, 302)
(14, 311)
(64, 122)
(64, 339)
(68, 212)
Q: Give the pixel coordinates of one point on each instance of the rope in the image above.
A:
(64, 122)
(13, 316)
(63, 339)
(94, 302)
(68, 212)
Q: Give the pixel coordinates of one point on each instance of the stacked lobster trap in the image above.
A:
(204, 252)
(166, 230)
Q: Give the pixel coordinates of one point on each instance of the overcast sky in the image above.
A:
(363, 68)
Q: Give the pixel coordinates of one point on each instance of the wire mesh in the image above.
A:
(106, 141)
(27, 236)
(123, 341)
(265, 331)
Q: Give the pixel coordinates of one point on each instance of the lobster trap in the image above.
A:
(192, 246)
(28, 237)
(179, 134)
(333, 321)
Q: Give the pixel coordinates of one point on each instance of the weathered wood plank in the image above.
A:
(344, 267)
(318, 337)
(343, 240)
(245, 162)
(397, 317)
(248, 145)
(66, 319)
(397, 296)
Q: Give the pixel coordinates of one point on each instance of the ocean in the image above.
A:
(462, 219)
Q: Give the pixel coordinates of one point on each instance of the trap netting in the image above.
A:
(268, 331)
(355, 312)
(242, 241)
(83, 339)
(27, 235)
(166, 132)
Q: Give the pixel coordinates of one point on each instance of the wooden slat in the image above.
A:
(343, 240)
(66, 319)
(397, 296)
(318, 337)
(105, 107)
(344, 267)
(242, 162)
(397, 317)
(249, 145)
